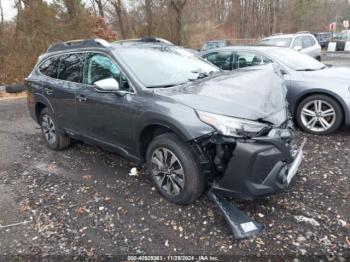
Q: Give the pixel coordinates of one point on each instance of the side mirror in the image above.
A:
(298, 48)
(107, 85)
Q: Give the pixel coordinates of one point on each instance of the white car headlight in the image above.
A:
(231, 126)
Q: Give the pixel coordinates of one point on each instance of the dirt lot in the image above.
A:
(82, 202)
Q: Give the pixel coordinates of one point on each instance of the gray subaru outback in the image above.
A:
(195, 126)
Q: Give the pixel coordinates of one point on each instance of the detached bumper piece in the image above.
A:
(240, 224)
(260, 167)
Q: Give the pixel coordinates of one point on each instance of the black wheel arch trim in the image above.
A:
(39, 98)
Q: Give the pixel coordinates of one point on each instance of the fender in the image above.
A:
(176, 124)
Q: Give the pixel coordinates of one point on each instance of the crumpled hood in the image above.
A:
(255, 93)
(338, 74)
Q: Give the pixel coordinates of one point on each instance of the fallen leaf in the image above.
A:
(81, 210)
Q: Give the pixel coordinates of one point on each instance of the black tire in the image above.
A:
(318, 58)
(15, 88)
(61, 141)
(194, 183)
(335, 124)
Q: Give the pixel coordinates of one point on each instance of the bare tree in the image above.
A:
(100, 7)
(149, 17)
(71, 6)
(118, 8)
(178, 7)
(1, 13)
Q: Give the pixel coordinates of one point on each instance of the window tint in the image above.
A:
(222, 60)
(50, 67)
(308, 41)
(71, 67)
(298, 42)
(99, 67)
(245, 59)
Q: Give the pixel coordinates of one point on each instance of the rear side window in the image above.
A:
(246, 59)
(298, 42)
(308, 41)
(71, 66)
(222, 60)
(50, 67)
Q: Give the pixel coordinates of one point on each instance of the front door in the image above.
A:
(106, 117)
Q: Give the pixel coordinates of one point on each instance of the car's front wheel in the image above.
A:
(319, 115)
(174, 170)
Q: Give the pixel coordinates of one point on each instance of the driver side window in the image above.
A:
(100, 67)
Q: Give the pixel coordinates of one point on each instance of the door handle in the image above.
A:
(81, 98)
(48, 91)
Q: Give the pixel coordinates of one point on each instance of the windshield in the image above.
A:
(295, 60)
(283, 41)
(165, 66)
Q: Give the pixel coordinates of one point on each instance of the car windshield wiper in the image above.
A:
(167, 85)
(308, 69)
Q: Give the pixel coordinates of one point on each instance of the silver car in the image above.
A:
(318, 95)
(304, 42)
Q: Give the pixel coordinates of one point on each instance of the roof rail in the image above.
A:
(143, 40)
(303, 32)
(83, 43)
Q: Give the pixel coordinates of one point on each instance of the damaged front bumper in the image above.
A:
(252, 168)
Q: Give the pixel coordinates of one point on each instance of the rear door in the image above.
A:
(61, 91)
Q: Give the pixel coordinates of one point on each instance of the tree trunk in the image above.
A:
(71, 8)
(274, 17)
(149, 18)
(117, 4)
(100, 8)
(178, 6)
(1, 14)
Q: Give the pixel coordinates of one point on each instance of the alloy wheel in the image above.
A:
(48, 128)
(318, 115)
(167, 171)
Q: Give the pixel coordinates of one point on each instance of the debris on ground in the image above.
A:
(134, 172)
(311, 221)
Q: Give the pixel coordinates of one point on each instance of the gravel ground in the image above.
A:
(82, 202)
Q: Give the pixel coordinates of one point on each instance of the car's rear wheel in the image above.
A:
(319, 114)
(53, 138)
(174, 170)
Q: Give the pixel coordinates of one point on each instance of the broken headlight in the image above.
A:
(231, 126)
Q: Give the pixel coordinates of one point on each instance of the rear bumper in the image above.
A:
(258, 168)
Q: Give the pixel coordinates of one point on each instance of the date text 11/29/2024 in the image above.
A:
(173, 258)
